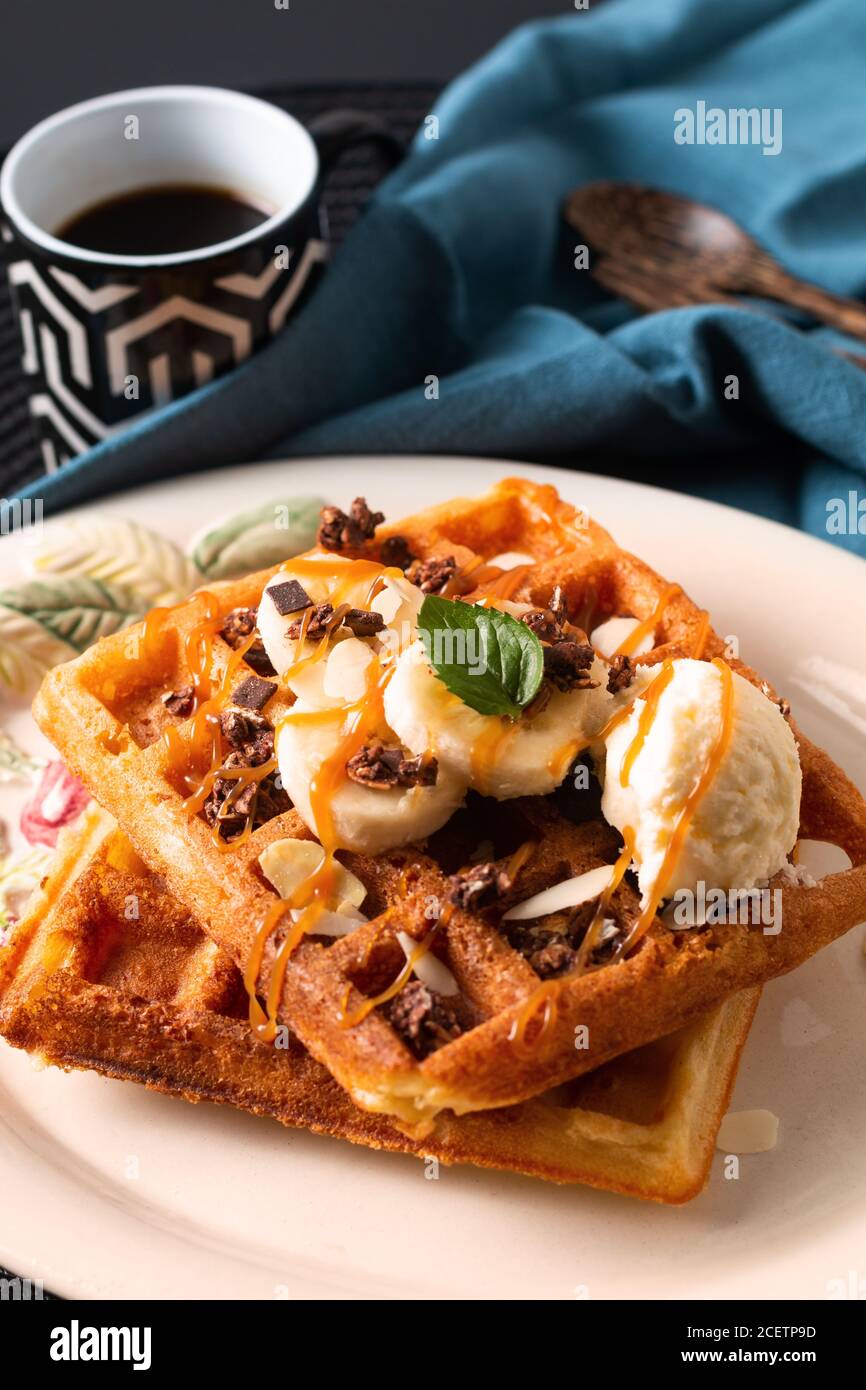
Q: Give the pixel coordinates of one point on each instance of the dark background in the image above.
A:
(54, 52)
(390, 57)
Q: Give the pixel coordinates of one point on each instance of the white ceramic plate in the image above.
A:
(107, 1191)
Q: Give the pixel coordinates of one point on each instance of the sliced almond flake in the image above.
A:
(397, 593)
(343, 922)
(608, 636)
(571, 892)
(287, 863)
(387, 604)
(748, 1132)
(431, 971)
(510, 559)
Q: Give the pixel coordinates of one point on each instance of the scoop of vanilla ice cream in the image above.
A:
(746, 823)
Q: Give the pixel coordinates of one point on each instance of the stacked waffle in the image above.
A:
(203, 931)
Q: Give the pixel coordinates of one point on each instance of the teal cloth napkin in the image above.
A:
(462, 270)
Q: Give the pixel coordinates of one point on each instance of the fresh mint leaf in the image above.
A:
(491, 661)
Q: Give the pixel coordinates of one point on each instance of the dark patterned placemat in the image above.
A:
(346, 191)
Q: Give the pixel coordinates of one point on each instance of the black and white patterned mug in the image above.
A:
(109, 335)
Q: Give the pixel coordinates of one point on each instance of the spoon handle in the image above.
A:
(848, 315)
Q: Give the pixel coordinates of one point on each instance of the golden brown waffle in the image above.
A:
(104, 712)
(84, 983)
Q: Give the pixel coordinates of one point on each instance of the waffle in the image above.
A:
(151, 999)
(104, 711)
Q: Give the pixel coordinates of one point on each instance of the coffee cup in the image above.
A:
(155, 239)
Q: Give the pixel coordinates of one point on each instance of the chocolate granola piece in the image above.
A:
(556, 958)
(180, 702)
(363, 623)
(334, 531)
(254, 693)
(250, 734)
(396, 554)
(365, 520)
(378, 766)
(424, 1019)
(231, 808)
(785, 708)
(341, 531)
(318, 623)
(238, 626)
(478, 886)
(543, 624)
(289, 597)
(432, 575)
(567, 665)
(620, 675)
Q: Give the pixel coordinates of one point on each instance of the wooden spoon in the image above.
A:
(658, 250)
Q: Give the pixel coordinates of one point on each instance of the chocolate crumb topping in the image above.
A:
(785, 707)
(423, 1019)
(567, 665)
(432, 575)
(179, 702)
(621, 674)
(289, 597)
(556, 958)
(378, 766)
(339, 530)
(543, 624)
(254, 693)
(395, 553)
(478, 886)
(238, 626)
(318, 623)
(262, 800)
(249, 734)
(363, 623)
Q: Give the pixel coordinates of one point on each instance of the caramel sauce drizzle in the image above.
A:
(593, 931)
(488, 747)
(366, 1007)
(519, 859)
(458, 579)
(565, 756)
(546, 502)
(648, 627)
(261, 1024)
(153, 625)
(506, 583)
(547, 995)
(360, 720)
(687, 811)
(701, 638)
(650, 700)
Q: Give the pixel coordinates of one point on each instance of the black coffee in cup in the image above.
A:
(160, 220)
(154, 240)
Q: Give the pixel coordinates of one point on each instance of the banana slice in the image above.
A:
(273, 626)
(398, 603)
(529, 759)
(365, 819)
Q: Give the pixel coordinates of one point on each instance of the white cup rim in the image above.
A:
(55, 246)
